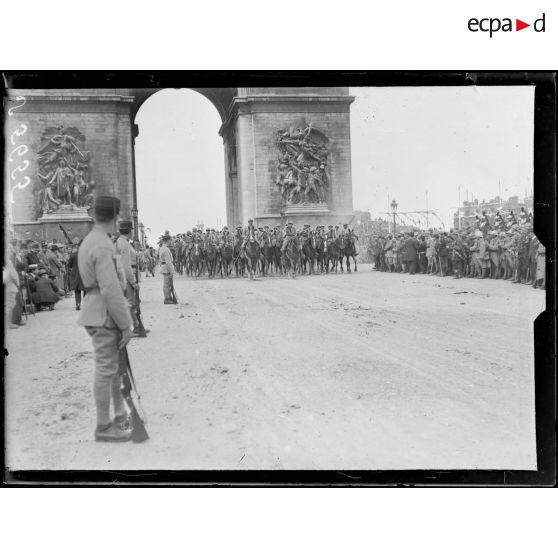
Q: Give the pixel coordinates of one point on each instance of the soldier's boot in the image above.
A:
(112, 433)
(123, 421)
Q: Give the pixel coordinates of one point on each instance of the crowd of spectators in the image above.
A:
(513, 254)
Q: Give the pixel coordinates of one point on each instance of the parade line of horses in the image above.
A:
(302, 255)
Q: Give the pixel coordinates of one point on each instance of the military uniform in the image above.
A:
(106, 317)
(290, 233)
(167, 269)
(128, 260)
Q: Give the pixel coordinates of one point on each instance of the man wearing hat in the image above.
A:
(128, 259)
(290, 233)
(105, 314)
(493, 247)
(249, 230)
(167, 268)
(53, 264)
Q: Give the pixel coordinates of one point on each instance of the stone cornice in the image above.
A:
(57, 97)
(70, 103)
(286, 103)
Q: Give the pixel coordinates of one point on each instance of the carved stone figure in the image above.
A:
(63, 169)
(301, 166)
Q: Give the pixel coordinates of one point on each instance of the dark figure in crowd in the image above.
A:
(410, 253)
(45, 292)
(75, 281)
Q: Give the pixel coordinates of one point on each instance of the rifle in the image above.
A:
(140, 329)
(65, 233)
(173, 292)
(29, 297)
(127, 387)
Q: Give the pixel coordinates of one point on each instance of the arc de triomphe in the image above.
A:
(287, 153)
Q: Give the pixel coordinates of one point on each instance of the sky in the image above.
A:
(425, 147)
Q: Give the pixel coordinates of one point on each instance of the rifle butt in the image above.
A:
(139, 433)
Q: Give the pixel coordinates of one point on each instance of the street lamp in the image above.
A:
(142, 234)
(393, 210)
(135, 220)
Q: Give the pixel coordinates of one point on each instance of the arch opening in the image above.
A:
(179, 168)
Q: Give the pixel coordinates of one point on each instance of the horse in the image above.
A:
(320, 246)
(266, 255)
(196, 258)
(291, 256)
(211, 259)
(239, 262)
(308, 254)
(226, 259)
(252, 254)
(349, 252)
(333, 255)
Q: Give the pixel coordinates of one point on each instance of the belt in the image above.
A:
(92, 290)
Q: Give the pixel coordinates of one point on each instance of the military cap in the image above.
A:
(336, 226)
(212, 230)
(478, 234)
(345, 224)
(266, 227)
(225, 228)
(125, 226)
(330, 226)
(289, 222)
(106, 206)
(41, 272)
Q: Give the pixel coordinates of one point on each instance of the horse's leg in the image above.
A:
(348, 264)
(355, 262)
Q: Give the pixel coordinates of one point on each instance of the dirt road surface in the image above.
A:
(362, 371)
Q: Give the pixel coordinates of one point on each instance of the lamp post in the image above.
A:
(142, 234)
(393, 206)
(135, 221)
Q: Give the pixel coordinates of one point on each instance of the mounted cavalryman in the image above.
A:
(290, 233)
(248, 231)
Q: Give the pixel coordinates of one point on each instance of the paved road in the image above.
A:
(362, 371)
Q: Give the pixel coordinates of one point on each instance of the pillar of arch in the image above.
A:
(250, 120)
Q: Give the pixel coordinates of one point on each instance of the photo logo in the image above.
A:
(493, 25)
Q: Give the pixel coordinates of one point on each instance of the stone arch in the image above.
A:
(251, 118)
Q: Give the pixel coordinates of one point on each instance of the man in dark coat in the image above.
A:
(421, 255)
(410, 252)
(75, 281)
(46, 293)
(443, 254)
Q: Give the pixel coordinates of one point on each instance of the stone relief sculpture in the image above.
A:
(63, 170)
(302, 176)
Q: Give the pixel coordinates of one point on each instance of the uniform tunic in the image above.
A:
(104, 313)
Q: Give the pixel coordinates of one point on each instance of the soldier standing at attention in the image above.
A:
(167, 268)
(106, 317)
(128, 259)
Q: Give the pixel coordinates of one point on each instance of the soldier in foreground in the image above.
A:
(106, 317)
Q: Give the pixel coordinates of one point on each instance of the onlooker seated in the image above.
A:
(46, 294)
